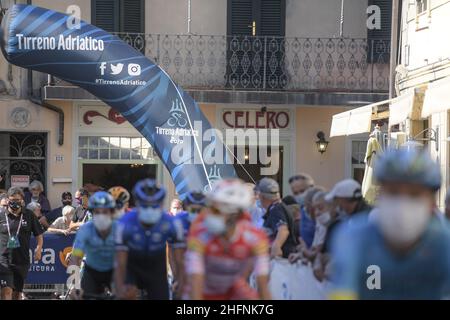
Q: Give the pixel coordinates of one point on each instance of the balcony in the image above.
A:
(268, 64)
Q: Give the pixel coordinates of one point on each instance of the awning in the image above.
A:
(402, 108)
(437, 97)
(353, 121)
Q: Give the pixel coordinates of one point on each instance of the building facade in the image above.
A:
(424, 68)
(250, 64)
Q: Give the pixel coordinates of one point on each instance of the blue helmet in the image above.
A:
(147, 193)
(101, 200)
(410, 166)
(194, 198)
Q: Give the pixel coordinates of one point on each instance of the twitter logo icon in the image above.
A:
(116, 69)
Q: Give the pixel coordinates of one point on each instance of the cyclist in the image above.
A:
(95, 242)
(122, 198)
(224, 245)
(141, 240)
(404, 252)
(193, 204)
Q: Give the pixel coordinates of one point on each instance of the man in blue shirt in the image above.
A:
(141, 240)
(403, 253)
(95, 242)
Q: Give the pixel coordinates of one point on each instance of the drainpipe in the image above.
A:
(396, 18)
(42, 103)
(189, 17)
(341, 25)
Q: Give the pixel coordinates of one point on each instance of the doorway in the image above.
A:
(107, 175)
(249, 171)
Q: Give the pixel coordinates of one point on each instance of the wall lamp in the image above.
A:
(322, 144)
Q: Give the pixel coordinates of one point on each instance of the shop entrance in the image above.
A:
(249, 170)
(107, 175)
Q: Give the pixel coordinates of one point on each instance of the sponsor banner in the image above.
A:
(51, 269)
(123, 78)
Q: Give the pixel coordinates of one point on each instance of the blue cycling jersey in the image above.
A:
(359, 251)
(138, 240)
(186, 221)
(99, 252)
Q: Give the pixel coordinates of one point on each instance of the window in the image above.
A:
(255, 30)
(358, 155)
(22, 154)
(114, 148)
(119, 15)
(421, 6)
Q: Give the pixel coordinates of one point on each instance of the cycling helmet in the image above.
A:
(121, 195)
(229, 196)
(101, 200)
(195, 198)
(148, 193)
(410, 166)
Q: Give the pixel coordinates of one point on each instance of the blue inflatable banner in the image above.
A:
(51, 269)
(117, 74)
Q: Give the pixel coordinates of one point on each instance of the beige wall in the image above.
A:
(424, 34)
(321, 18)
(305, 18)
(61, 6)
(327, 168)
(44, 120)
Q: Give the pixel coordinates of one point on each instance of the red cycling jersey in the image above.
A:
(225, 264)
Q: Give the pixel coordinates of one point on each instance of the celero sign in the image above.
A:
(256, 119)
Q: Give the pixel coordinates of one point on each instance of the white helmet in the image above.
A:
(229, 196)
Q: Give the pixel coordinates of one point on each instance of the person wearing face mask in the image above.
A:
(224, 245)
(255, 210)
(322, 216)
(62, 224)
(349, 201)
(17, 224)
(82, 213)
(141, 239)
(122, 198)
(278, 222)
(193, 203)
(95, 242)
(407, 242)
(66, 200)
(35, 194)
(3, 201)
(176, 206)
(299, 184)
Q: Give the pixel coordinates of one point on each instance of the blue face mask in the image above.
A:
(300, 198)
(258, 203)
(149, 215)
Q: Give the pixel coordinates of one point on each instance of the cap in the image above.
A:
(268, 186)
(289, 200)
(348, 188)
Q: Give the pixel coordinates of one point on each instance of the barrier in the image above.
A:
(51, 269)
(294, 282)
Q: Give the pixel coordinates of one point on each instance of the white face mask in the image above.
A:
(102, 221)
(324, 218)
(119, 213)
(149, 215)
(215, 224)
(402, 219)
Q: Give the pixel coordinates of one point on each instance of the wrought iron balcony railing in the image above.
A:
(269, 63)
